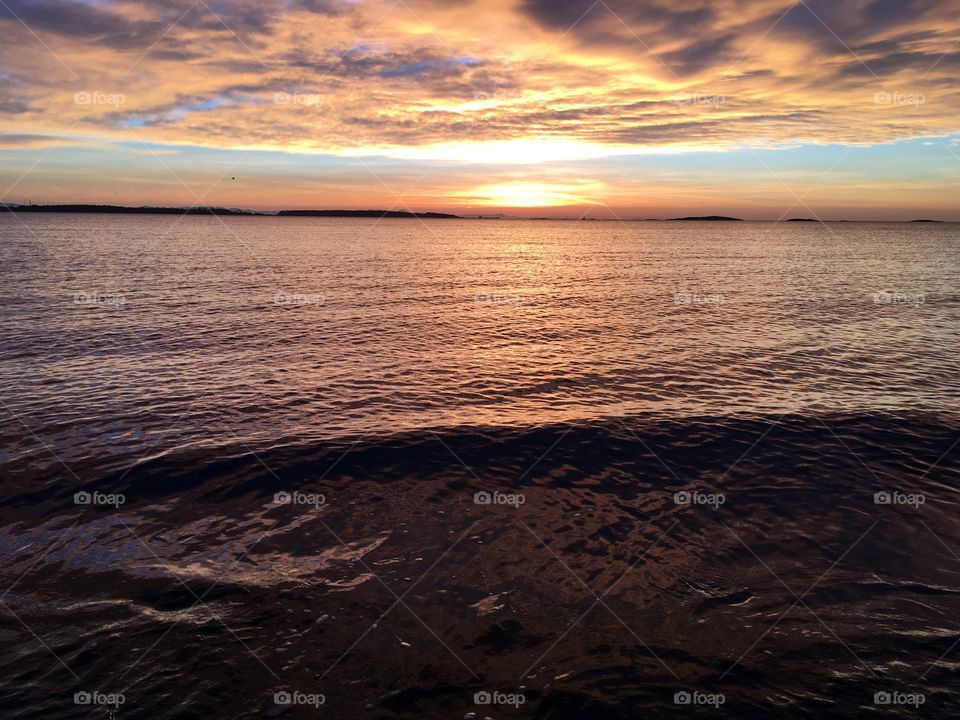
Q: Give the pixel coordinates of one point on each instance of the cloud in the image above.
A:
(366, 75)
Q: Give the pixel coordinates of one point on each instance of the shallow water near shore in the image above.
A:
(576, 469)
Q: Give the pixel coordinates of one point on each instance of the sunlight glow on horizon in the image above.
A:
(532, 195)
(717, 104)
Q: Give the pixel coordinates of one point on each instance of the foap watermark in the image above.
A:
(495, 697)
(895, 697)
(299, 498)
(886, 297)
(98, 298)
(286, 298)
(695, 697)
(895, 97)
(483, 497)
(497, 299)
(708, 99)
(95, 97)
(497, 95)
(297, 98)
(895, 497)
(98, 498)
(95, 697)
(698, 298)
(695, 497)
(295, 697)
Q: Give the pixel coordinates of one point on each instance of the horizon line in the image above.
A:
(219, 211)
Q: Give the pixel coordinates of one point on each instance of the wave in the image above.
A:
(200, 545)
(718, 450)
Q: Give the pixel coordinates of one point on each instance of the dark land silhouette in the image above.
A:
(150, 210)
(712, 218)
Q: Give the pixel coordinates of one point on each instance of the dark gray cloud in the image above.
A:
(647, 16)
(74, 19)
(104, 25)
(642, 27)
(828, 26)
(10, 106)
(11, 139)
(701, 54)
(831, 25)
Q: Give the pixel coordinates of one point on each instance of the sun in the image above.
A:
(530, 195)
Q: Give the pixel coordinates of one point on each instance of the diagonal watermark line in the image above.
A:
(525, 473)
(208, 591)
(755, 443)
(238, 38)
(650, 450)
(940, 59)
(158, 40)
(339, 459)
(571, 28)
(367, 567)
(176, 422)
(957, 557)
(830, 30)
(949, 149)
(329, 73)
(198, 598)
(545, 453)
(198, 198)
(849, 450)
(16, 582)
(39, 639)
(39, 440)
(196, 204)
(36, 162)
(798, 600)
(639, 40)
(40, 40)
(940, 539)
(940, 459)
(760, 39)
(940, 659)
(799, 199)
(400, 599)
(39, 559)
(455, 455)
(398, 198)
(802, 602)
(728, 470)
(599, 600)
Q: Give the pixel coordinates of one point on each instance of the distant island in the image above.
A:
(121, 210)
(151, 210)
(240, 212)
(712, 218)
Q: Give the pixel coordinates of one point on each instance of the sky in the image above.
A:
(762, 109)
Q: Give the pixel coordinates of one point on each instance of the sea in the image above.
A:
(259, 467)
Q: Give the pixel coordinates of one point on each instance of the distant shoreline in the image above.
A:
(229, 212)
(237, 212)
